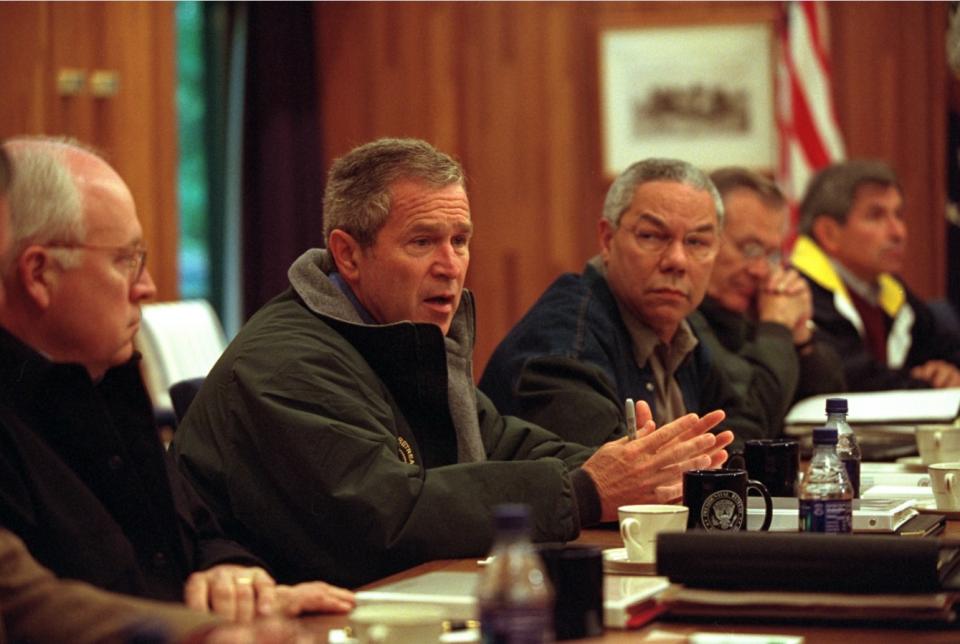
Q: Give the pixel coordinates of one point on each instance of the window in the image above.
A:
(193, 192)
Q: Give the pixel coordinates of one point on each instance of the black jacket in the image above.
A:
(86, 483)
(331, 446)
(914, 338)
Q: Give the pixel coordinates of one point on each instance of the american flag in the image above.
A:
(806, 119)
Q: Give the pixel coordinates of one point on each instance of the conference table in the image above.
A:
(320, 626)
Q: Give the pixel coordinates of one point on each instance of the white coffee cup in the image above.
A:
(640, 525)
(396, 624)
(945, 481)
(938, 443)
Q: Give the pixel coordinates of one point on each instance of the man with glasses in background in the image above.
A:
(86, 483)
(755, 318)
(618, 330)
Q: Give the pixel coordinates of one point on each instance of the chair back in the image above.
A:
(179, 341)
(182, 394)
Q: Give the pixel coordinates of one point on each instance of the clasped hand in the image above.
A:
(785, 298)
(243, 593)
(938, 373)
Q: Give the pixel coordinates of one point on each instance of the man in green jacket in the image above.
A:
(341, 432)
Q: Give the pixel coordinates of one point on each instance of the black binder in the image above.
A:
(806, 561)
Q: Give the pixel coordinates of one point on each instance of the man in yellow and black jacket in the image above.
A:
(852, 244)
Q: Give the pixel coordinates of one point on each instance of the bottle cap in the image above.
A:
(512, 517)
(836, 405)
(824, 436)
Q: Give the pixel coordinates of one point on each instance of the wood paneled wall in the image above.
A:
(511, 89)
(135, 128)
(890, 83)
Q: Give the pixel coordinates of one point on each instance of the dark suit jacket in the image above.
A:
(86, 483)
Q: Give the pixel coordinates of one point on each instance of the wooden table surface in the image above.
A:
(320, 625)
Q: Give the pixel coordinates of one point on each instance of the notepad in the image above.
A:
(456, 593)
(869, 515)
(903, 407)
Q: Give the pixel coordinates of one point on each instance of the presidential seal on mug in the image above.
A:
(722, 510)
(718, 499)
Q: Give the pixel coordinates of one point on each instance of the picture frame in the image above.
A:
(701, 92)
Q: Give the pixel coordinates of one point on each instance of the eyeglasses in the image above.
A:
(753, 250)
(699, 246)
(133, 258)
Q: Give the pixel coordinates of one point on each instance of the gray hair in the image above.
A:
(734, 178)
(620, 194)
(833, 190)
(357, 197)
(45, 203)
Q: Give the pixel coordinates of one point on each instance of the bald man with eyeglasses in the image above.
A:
(755, 318)
(618, 330)
(87, 485)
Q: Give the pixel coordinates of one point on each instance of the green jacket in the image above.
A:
(761, 363)
(330, 446)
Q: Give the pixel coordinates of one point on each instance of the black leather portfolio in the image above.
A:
(809, 562)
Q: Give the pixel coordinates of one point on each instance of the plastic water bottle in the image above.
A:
(847, 447)
(514, 593)
(826, 496)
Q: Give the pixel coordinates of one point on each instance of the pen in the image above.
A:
(630, 410)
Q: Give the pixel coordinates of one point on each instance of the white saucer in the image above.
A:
(930, 507)
(615, 561)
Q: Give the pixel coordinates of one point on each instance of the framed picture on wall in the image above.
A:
(702, 93)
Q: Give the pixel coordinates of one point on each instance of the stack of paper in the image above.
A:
(625, 597)
(931, 607)
(904, 407)
(881, 515)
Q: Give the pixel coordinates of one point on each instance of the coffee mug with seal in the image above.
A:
(775, 462)
(945, 481)
(717, 499)
(640, 525)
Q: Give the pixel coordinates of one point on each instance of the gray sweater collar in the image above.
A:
(309, 277)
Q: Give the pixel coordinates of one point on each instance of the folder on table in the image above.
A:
(898, 407)
(624, 596)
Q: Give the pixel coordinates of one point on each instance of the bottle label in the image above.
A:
(516, 625)
(826, 515)
(853, 473)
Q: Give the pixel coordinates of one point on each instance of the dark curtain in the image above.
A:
(282, 160)
(953, 196)
(224, 29)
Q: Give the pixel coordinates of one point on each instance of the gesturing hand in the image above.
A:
(650, 468)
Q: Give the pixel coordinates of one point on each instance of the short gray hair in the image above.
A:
(735, 178)
(833, 190)
(620, 194)
(357, 196)
(44, 201)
